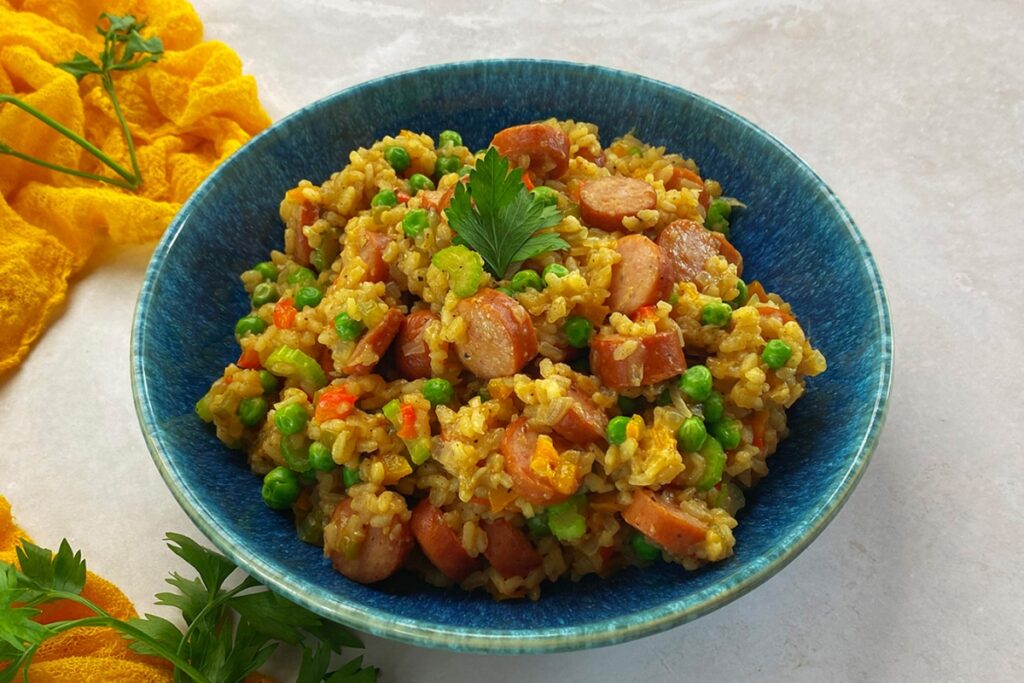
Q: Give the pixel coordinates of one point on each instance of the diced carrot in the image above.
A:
(408, 428)
(284, 313)
(500, 499)
(403, 196)
(335, 403)
(758, 425)
(528, 181)
(778, 312)
(249, 360)
(606, 553)
(326, 360)
(303, 502)
(757, 288)
(645, 312)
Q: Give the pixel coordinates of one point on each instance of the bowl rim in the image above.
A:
(607, 631)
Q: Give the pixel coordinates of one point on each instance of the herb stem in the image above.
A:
(132, 181)
(108, 86)
(7, 151)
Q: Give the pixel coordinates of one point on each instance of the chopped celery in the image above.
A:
(464, 267)
(419, 449)
(203, 409)
(286, 361)
(295, 451)
(566, 520)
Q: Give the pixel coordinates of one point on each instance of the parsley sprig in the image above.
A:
(124, 49)
(229, 632)
(499, 219)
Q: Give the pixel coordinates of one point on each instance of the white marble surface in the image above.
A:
(912, 111)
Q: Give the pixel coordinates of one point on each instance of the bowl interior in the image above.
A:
(795, 237)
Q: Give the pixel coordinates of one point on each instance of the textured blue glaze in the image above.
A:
(795, 237)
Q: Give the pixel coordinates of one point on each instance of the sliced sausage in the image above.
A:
(440, 543)
(688, 246)
(641, 277)
(382, 552)
(372, 346)
(518, 446)
(541, 148)
(508, 549)
(604, 202)
(371, 251)
(412, 355)
(684, 177)
(307, 215)
(656, 358)
(499, 339)
(584, 423)
(670, 527)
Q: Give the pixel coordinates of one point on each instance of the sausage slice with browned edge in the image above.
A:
(583, 423)
(509, 550)
(440, 543)
(688, 246)
(518, 446)
(371, 251)
(412, 355)
(641, 277)
(604, 202)
(381, 553)
(655, 358)
(372, 346)
(670, 527)
(538, 147)
(499, 338)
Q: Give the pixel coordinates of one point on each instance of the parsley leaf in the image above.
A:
(499, 219)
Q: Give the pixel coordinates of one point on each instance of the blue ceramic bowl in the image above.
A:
(796, 237)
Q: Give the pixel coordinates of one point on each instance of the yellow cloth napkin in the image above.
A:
(187, 113)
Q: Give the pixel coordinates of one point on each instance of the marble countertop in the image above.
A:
(913, 112)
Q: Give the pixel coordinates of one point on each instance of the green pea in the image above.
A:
(714, 464)
(714, 407)
(449, 138)
(268, 381)
(538, 525)
(347, 328)
(264, 293)
(556, 269)
(280, 488)
(251, 410)
(320, 457)
(616, 430)
(577, 331)
(384, 198)
(545, 195)
(527, 279)
(250, 324)
(776, 353)
(696, 382)
(415, 222)
(741, 298)
(398, 158)
(438, 391)
(350, 476)
(301, 275)
(718, 216)
(418, 181)
(644, 550)
(308, 297)
(727, 431)
(716, 314)
(267, 270)
(291, 419)
(691, 434)
(630, 405)
(446, 165)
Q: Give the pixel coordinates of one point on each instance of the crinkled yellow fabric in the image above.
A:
(187, 113)
(88, 654)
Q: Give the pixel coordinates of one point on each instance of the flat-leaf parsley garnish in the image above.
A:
(500, 219)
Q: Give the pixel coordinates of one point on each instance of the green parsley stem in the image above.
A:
(108, 86)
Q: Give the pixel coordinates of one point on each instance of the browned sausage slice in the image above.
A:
(655, 358)
(307, 215)
(541, 148)
(440, 543)
(518, 446)
(604, 202)
(412, 355)
(382, 552)
(500, 338)
(584, 422)
(688, 246)
(641, 277)
(372, 346)
(508, 549)
(371, 251)
(665, 524)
